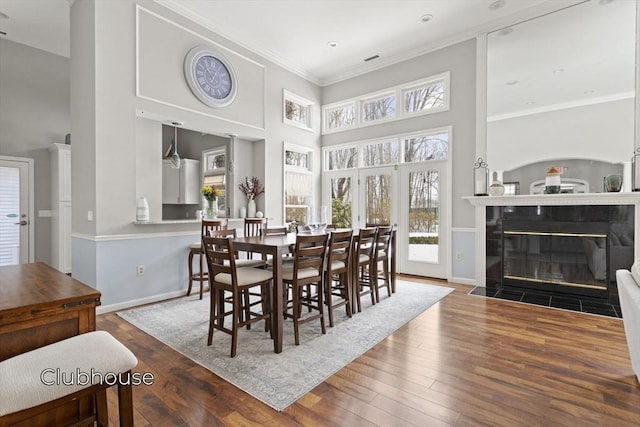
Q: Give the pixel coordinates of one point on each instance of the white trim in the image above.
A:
(145, 114)
(481, 97)
(116, 237)
(462, 281)
(563, 106)
(397, 91)
(463, 230)
(132, 303)
(556, 199)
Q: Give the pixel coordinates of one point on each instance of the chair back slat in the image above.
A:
(213, 224)
(275, 231)
(383, 240)
(366, 241)
(310, 253)
(340, 243)
(220, 255)
(253, 226)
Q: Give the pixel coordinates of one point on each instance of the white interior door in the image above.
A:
(16, 211)
(340, 189)
(423, 227)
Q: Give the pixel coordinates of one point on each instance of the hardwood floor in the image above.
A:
(466, 361)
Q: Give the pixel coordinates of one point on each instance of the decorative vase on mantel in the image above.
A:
(251, 208)
(212, 209)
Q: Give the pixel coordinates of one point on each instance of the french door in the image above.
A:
(16, 211)
(361, 197)
(422, 236)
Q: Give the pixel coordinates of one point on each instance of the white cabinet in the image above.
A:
(61, 207)
(181, 186)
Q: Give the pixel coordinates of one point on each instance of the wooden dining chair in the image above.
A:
(337, 280)
(253, 227)
(364, 251)
(306, 272)
(225, 276)
(381, 256)
(196, 249)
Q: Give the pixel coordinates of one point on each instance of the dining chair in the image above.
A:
(303, 229)
(337, 280)
(247, 294)
(196, 249)
(381, 255)
(225, 276)
(365, 247)
(307, 271)
(253, 227)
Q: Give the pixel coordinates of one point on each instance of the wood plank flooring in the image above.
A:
(466, 361)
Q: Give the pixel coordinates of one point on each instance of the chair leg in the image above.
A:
(190, 261)
(247, 309)
(236, 321)
(212, 315)
(102, 414)
(201, 274)
(347, 294)
(297, 293)
(320, 291)
(125, 404)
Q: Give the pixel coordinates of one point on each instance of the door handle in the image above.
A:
(23, 222)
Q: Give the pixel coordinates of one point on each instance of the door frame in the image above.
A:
(30, 200)
(391, 170)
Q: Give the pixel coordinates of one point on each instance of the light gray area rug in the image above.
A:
(280, 379)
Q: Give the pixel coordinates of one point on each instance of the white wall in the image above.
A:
(34, 113)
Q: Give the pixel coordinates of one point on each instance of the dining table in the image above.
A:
(279, 245)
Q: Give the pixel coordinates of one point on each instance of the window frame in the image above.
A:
(301, 101)
(296, 169)
(398, 91)
(223, 171)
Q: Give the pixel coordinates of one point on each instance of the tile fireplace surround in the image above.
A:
(558, 244)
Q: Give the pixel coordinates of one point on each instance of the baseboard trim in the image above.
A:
(141, 301)
(463, 281)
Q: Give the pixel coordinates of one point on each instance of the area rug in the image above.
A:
(280, 379)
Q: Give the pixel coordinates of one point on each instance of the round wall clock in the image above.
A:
(210, 76)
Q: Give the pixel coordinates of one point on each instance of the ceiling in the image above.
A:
(295, 33)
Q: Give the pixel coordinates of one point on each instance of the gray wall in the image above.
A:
(34, 113)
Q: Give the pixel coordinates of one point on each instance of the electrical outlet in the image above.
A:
(458, 256)
(89, 215)
(140, 270)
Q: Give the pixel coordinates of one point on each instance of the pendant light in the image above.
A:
(175, 157)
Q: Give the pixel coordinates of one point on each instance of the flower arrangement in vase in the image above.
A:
(211, 194)
(251, 188)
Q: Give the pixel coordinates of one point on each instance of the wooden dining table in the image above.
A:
(279, 245)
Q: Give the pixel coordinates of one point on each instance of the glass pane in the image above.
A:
(427, 147)
(299, 214)
(296, 112)
(378, 109)
(299, 160)
(340, 116)
(216, 161)
(345, 158)
(9, 216)
(424, 98)
(218, 181)
(423, 216)
(383, 153)
(341, 202)
(378, 199)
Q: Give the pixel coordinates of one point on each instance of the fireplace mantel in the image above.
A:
(584, 199)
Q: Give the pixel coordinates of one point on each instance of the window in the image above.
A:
(379, 108)
(422, 148)
(297, 111)
(298, 184)
(215, 174)
(343, 116)
(341, 158)
(425, 96)
(380, 153)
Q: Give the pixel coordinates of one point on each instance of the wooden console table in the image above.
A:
(38, 306)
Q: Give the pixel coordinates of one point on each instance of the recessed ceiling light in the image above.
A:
(529, 103)
(332, 44)
(606, 1)
(505, 31)
(512, 82)
(4, 16)
(426, 18)
(498, 4)
(558, 71)
(589, 92)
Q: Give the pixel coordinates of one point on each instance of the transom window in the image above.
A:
(426, 146)
(298, 111)
(426, 96)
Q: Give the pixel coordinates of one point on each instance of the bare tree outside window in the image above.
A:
(346, 158)
(424, 98)
(427, 147)
(379, 109)
(380, 153)
(378, 199)
(297, 159)
(296, 112)
(341, 116)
